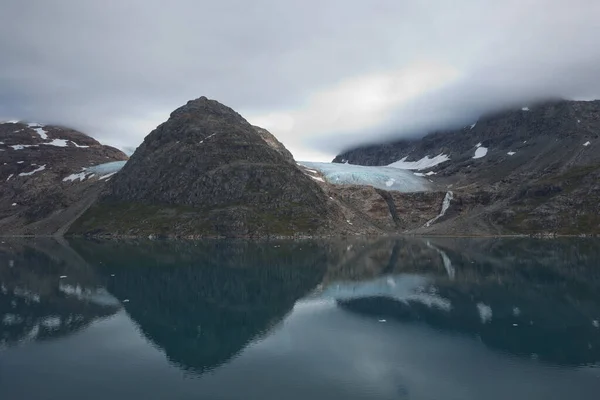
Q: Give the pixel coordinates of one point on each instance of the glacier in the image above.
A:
(386, 178)
(107, 168)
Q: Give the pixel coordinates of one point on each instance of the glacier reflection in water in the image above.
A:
(380, 319)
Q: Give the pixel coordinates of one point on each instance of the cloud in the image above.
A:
(322, 75)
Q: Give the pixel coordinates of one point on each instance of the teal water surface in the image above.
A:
(392, 318)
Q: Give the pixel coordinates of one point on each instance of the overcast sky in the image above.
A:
(322, 75)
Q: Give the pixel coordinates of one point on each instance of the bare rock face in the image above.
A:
(208, 172)
(36, 196)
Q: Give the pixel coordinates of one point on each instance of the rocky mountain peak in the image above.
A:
(208, 172)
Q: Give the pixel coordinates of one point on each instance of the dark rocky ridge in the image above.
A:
(40, 202)
(549, 185)
(208, 172)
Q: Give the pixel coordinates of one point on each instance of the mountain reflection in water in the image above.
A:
(303, 319)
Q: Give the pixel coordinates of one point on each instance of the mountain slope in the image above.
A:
(42, 187)
(533, 170)
(208, 172)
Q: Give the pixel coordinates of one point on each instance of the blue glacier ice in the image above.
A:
(105, 169)
(386, 178)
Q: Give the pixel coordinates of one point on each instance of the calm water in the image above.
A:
(381, 319)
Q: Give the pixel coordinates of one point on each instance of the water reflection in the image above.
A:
(46, 293)
(531, 298)
(202, 303)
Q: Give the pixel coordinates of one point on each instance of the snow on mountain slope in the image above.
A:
(385, 178)
(423, 163)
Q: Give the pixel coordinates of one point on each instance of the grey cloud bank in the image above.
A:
(321, 75)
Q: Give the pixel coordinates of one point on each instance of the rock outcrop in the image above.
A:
(44, 185)
(529, 171)
(207, 172)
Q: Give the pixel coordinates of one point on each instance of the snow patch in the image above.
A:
(423, 163)
(480, 152)
(445, 205)
(525, 109)
(485, 312)
(81, 147)
(473, 126)
(58, 143)
(73, 177)
(511, 153)
(22, 146)
(316, 178)
(478, 145)
(41, 168)
(208, 137)
(106, 176)
(431, 173)
(41, 132)
(586, 144)
(10, 176)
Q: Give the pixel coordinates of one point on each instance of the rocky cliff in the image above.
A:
(533, 170)
(44, 184)
(208, 172)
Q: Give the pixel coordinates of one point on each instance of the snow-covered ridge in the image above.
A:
(423, 163)
(385, 178)
(43, 134)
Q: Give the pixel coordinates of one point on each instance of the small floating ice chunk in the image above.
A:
(14, 204)
(382, 320)
(480, 152)
(126, 301)
(596, 324)
(390, 182)
(62, 276)
(516, 311)
(485, 312)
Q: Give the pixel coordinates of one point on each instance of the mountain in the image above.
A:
(533, 170)
(206, 172)
(45, 175)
